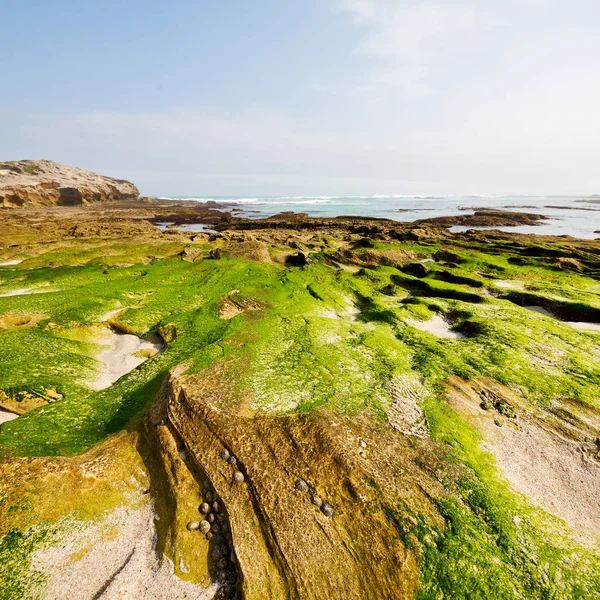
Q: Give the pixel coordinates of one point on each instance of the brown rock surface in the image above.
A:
(286, 547)
(46, 183)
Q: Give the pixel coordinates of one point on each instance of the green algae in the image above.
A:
(324, 337)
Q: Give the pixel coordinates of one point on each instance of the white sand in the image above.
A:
(118, 357)
(437, 326)
(581, 325)
(6, 416)
(91, 562)
(9, 263)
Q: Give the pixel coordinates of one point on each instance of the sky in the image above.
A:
(308, 97)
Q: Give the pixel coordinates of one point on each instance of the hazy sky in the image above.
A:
(314, 97)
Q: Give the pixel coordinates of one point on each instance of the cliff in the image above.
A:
(46, 183)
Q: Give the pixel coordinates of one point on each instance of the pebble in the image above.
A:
(183, 455)
(216, 507)
(211, 518)
(225, 454)
(215, 529)
(223, 563)
(238, 477)
(327, 509)
(204, 508)
(316, 500)
(208, 496)
(193, 525)
(215, 553)
(301, 485)
(209, 536)
(204, 526)
(363, 444)
(224, 528)
(232, 460)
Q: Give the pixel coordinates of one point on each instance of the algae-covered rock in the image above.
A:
(168, 332)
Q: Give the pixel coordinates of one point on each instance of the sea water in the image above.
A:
(578, 216)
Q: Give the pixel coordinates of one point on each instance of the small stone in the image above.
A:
(301, 485)
(183, 455)
(233, 557)
(216, 507)
(327, 509)
(211, 518)
(363, 455)
(223, 563)
(209, 536)
(215, 529)
(193, 525)
(204, 526)
(204, 508)
(225, 454)
(363, 444)
(316, 500)
(232, 460)
(215, 553)
(238, 477)
(516, 520)
(224, 528)
(208, 496)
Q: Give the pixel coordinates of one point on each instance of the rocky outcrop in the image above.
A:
(488, 218)
(46, 183)
(310, 516)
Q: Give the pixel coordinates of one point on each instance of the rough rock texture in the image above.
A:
(489, 218)
(286, 546)
(46, 183)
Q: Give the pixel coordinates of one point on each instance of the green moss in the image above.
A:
(324, 337)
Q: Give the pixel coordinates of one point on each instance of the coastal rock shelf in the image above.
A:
(295, 407)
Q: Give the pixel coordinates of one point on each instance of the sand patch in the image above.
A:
(114, 559)
(557, 473)
(124, 353)
(437, 326)
(581, 325)
(6, 416)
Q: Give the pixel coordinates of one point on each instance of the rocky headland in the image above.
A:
(343, 408)
(46, 183)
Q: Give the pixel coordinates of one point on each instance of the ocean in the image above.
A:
(577, 216)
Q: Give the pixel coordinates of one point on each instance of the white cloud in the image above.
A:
(204, 151)
(406, 38)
